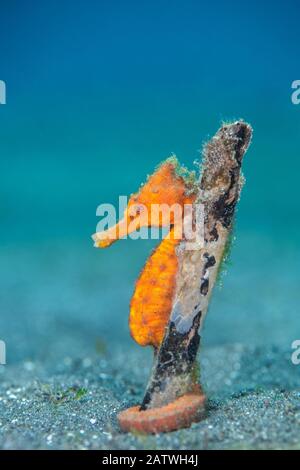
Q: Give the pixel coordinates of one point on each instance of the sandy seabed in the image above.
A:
(254, 402)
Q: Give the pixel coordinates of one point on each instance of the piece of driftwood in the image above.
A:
(174, 370)
(173, 292)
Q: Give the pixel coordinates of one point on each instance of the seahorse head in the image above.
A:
(154, 205)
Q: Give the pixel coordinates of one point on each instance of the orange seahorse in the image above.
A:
(151, 303)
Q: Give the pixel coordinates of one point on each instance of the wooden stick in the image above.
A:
(174, 369)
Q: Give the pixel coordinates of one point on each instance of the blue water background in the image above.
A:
(98, 93)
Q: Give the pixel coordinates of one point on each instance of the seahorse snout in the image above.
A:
(108, 237)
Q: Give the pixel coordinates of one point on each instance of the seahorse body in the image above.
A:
(151, 303)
